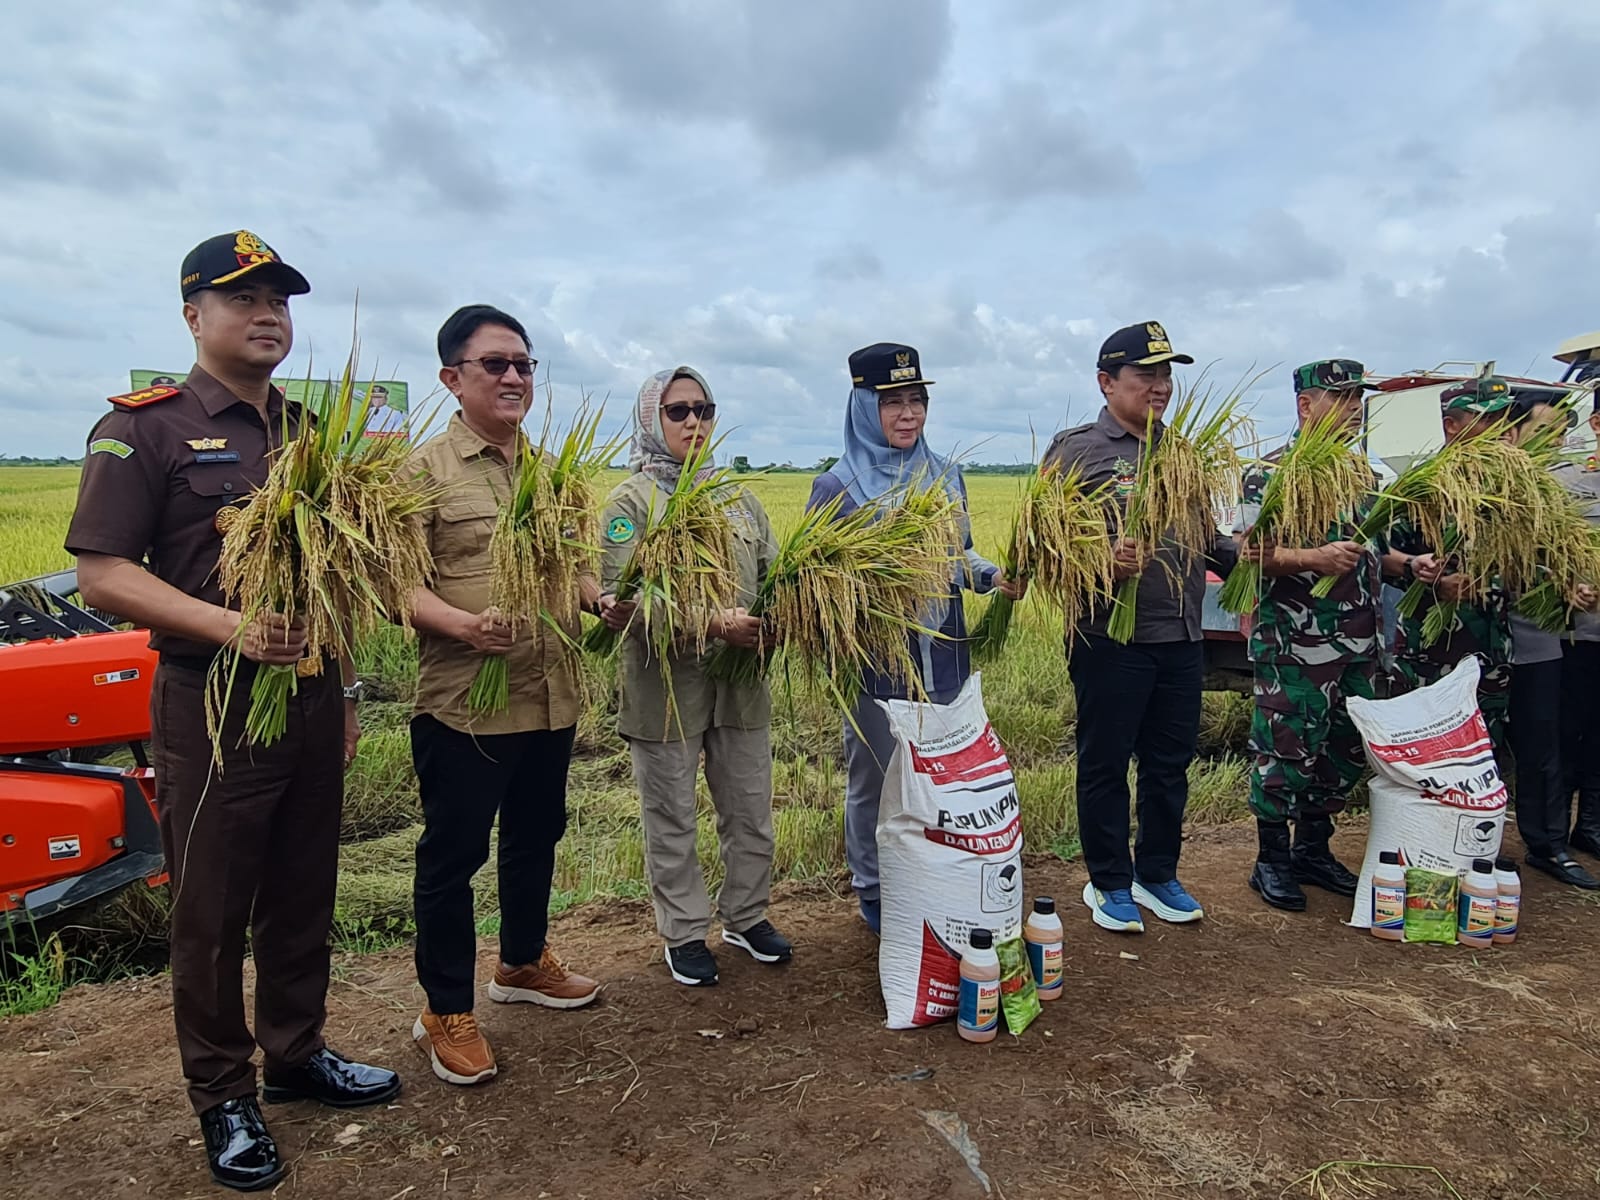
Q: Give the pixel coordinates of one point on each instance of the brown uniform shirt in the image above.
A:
(473, 481)
(1172, 588)
(156, 476)
(643, 711)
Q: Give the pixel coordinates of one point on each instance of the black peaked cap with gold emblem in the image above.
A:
(886, 365)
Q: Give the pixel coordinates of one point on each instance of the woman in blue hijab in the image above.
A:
(884, 451)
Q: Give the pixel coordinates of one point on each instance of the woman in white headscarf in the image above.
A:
(885, 451)
(727, 722)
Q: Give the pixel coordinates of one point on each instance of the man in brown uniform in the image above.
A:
(472, 765)
(254, 845)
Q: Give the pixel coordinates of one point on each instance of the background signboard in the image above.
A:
(388, 417)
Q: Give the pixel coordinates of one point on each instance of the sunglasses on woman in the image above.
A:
(679, 413)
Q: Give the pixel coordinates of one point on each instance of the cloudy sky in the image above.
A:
(757, 189)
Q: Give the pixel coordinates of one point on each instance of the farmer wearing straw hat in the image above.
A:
(1143, 697)
(254, 847)
(1309, 654)
(884, 451)
(672, 714)
(1481, 625)
(473, 768)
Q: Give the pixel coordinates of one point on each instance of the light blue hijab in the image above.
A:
(870, 468)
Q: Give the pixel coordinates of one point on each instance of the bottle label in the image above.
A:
(1506, 911)
(1388, 906)
(1046, 961)
(1476, 916)
(980, 1004)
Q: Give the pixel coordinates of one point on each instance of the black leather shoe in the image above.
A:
(331, 1079)
(1276, 884)
(1317, 866)
(241, 1152)
(1565, 868)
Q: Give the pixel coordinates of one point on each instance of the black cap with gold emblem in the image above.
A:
(230, 257)
(1144, 345)
(886, 365)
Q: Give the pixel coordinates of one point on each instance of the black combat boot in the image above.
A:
(1586, 833)
(1314, 863)
(1273, 876)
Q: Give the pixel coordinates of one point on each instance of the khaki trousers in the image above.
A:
(739, 774)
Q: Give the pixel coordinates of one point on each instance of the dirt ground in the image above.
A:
(1227, 1059)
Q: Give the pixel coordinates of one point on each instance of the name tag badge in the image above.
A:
(216, 456)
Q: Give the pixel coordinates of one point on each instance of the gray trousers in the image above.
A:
(866, 758)
(739, 775)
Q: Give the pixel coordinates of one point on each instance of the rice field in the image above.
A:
(1027, 691)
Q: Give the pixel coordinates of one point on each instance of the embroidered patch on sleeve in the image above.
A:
(110, 446)
(620, 530)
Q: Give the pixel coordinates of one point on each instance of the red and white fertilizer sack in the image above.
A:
(949, 852)
(1437, 798)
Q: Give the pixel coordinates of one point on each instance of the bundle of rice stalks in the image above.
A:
(1316, 487)
(1059, 546)
(330, 539)
(846, 593)
(545, 537)
(681, 571)
(1494, 511)
(1184, 475)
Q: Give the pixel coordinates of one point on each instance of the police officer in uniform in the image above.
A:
(1310, 653)
(1142, 698)
(255, 845)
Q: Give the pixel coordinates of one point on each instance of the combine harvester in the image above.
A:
(71, 831)
(1403, 425)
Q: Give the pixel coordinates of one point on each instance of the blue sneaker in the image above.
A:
(1113, 910)
(1168, 901)
(871, 913)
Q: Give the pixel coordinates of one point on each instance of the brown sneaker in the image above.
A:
(547, 982)
(459, 1053)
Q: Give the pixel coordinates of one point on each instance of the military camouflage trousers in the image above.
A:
(1494, 692)
(1308, 754)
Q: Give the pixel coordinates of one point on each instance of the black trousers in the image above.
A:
(1140, 700)
(255, 848)
(1580, 723)
(1544, 806)
(464, 781)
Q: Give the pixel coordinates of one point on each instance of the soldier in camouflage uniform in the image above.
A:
(1310, 653)
(1482, 626)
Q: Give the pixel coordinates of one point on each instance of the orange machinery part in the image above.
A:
(92, 690)
(56, 825)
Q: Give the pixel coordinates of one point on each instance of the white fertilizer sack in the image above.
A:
(949, 852)
(1437, 798)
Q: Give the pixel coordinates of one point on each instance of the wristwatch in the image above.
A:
(355, 690)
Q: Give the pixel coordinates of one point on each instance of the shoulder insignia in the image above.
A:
(110, 446)
(620, 530)
(144, 396)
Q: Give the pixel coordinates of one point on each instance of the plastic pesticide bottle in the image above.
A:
(1046, 947)
(1479, 899)
(978, 1009)
(1389, 898)
(1508, 904)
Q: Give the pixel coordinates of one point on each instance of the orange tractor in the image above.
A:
(71, 830)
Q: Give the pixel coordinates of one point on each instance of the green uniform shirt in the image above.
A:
(1292, 624)
(701, 703)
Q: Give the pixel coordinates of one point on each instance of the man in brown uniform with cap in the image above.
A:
(254, 845)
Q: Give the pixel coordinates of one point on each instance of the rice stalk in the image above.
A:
(330, 539)
(847, 593)
(681, 573)
(546, 536)
(1189, 466)
(1059, 545)
(1313, 493)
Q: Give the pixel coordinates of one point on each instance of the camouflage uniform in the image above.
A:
(1481, 627)
(1309, 653)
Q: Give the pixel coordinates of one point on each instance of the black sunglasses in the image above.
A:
(495, 365)
(679, 413)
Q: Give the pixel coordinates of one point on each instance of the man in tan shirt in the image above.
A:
(472, 765)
